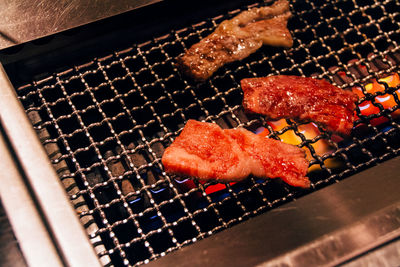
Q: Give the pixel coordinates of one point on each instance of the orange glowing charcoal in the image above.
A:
(386, 100)
(289, 136)
(309, 130)
(392, 81)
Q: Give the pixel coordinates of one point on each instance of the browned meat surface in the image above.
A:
(237, 38)
(207, 152)
(301, 98)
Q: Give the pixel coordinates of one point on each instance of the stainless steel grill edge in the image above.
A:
(44, 200)
(104, 124)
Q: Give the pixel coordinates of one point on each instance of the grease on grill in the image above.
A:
(107, 119)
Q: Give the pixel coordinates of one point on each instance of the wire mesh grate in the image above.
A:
(106, 124)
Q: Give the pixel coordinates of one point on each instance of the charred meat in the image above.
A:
(237, 38)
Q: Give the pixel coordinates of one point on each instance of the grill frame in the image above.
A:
(235, 122)
(325, 228)
(34, 232)
(60, 230)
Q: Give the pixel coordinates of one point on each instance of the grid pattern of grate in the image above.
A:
(112, 118)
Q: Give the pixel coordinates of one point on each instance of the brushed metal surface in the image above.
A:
(10, 251)
(51, 199)
(327, 227)
(27, 20)
(24, 217)
(385, 256)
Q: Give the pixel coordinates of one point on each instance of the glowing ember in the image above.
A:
(309, 131)
(368, 107)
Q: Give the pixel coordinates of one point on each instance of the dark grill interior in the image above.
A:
(106, 124)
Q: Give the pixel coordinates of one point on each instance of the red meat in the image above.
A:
(207, 152)
(300, 98)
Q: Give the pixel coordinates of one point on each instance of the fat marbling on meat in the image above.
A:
(301, 98)
(207, 152)
(237, 38)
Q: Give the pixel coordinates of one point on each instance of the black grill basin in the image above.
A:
(106, 117)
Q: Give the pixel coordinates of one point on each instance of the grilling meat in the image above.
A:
(206, 151)
(300, 98)
(237, 38)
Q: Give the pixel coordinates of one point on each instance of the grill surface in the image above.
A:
(106, 123)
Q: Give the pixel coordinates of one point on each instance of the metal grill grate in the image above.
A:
(106, 124)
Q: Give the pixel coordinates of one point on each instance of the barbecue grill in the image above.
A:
(93, 108)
